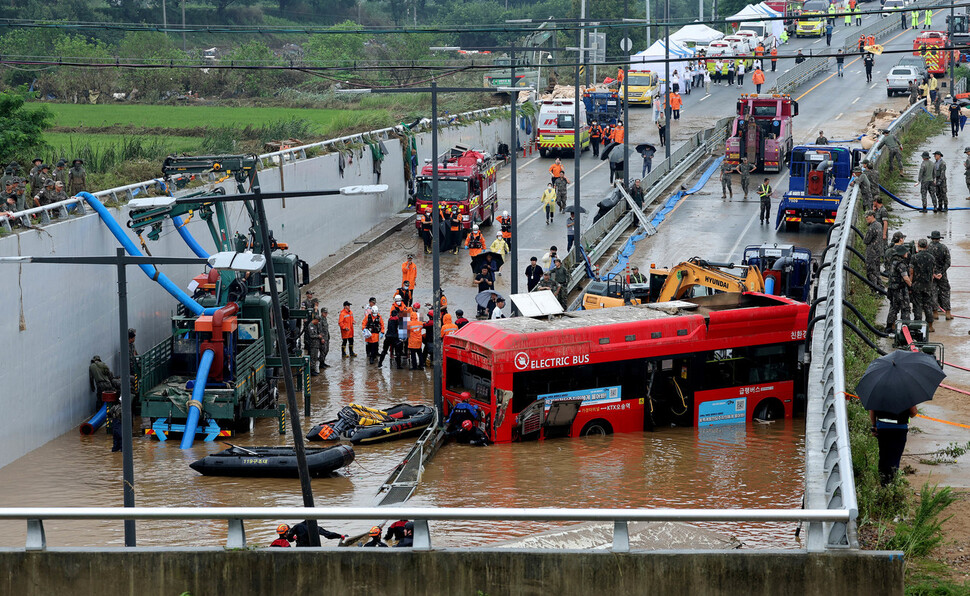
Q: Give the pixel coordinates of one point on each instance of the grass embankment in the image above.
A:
(125, 143)
(893, 517)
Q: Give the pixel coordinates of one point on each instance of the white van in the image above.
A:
(758, 29)
(749, 35)
(556, 128)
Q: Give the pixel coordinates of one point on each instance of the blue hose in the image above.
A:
(92, 425)
(189, 239)
(198, 393)
(905, 204)
(770, 285)
(150, 271)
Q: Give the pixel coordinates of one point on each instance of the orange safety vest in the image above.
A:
(556, 170)
(617, 134)
(455, 224)
(871, 40)
(676, 101)
(475, 243)
(505, 221)
(758, 77)
(409, 273)
(759, 51)
(415, 329)
(619, 74)
(448, 329)
(595, 131)
(346, 323)
(774, 53)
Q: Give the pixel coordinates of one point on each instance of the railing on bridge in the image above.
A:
(603, 233)
(236, 534)
(122, 194)
(830, 482)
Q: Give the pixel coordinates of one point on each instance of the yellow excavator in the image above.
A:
(695, 277)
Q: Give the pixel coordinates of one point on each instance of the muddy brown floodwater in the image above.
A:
(755, 466)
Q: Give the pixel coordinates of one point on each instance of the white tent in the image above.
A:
(695, 34)
(679, 54)
(760, 11)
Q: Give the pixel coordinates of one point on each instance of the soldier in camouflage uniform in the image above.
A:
(941, 297)
(899, 283)
(882, 217)
(923, 265)
(966, 168)
(32, 175)
(865, 192)
(873, 242)
(726, 189)
(8, 174)
(60, 172)
(939, 179)
(45, 196)
(895, 148)
(744, 168)
(311, 342)
(77, 178)
(924, 180)
(873, 177)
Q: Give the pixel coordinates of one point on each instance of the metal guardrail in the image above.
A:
(604, 232)
(122, 194)
(236, 535)
(829, 474)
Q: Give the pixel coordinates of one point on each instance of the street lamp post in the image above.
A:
(667, 85)
(435, 223)
(626, 99)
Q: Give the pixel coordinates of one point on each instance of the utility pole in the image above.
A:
(647, 3)
(513, 198)
(952, 29)
(577, 152)
(164, 17)
(183, 28)
(626, 101)
(700, 9)
(582, 42)
(667, 85)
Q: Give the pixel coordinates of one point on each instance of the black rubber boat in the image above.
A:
(360, 424)
(273, 462)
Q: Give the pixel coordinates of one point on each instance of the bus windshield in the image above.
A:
(448, 190)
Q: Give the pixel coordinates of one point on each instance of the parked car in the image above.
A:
(895, 5)
(917, 63)
(899, 78)
(749, 36)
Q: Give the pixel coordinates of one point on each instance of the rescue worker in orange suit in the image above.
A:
(595, 136)
(555, 170)
(774, 59)
(406, 293)
(454, 232)
(475, 242)
(375, 538)
(447, 327)
(415, 330)
(281, 530)
(373, 326)
(506, 221)
(424, 223)
(346, 323)
(616, 135)
(427, 353)
(409, 272)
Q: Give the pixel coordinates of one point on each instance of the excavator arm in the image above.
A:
(698, 272)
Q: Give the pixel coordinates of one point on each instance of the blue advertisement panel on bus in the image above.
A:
(722, 411)
(597, 396)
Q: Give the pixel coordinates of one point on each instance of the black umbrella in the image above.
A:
(482, 298)
(605, 151)
(571, 208)
(899, 380)
(643, 147)
(478, 261)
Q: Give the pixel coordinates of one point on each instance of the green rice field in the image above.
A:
(67, 143)
(326, 122)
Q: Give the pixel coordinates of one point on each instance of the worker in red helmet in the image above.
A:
(470, 434)
(281, 540)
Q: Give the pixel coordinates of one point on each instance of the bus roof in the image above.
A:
(721, 315)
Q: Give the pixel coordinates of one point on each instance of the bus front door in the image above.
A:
(669, 392)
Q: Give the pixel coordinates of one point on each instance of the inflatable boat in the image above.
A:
(360, 424)
(273, 462)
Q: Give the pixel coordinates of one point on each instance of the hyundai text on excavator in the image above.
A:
(685, 280)
(762, 131)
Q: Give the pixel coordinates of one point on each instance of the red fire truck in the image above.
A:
(722, 359)
(931, 46)
(466, 182)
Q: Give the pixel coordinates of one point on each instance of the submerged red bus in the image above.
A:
(721, 359)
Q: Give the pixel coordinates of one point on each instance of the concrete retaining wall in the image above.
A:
(402, 571)
(57, 316)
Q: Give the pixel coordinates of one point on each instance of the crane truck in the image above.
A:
(762, 131)
(819, 177)
(466, 183)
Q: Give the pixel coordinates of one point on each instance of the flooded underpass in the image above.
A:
(753, 466)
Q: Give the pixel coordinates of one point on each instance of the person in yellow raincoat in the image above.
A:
(548, 201)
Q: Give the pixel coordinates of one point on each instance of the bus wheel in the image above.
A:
(596, 427)
(768, 409)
